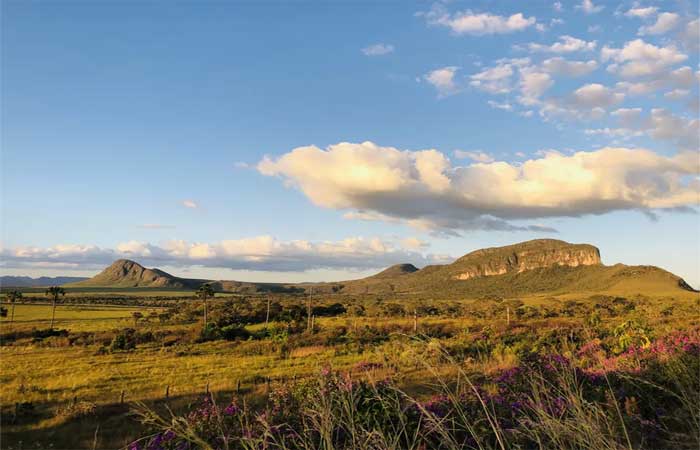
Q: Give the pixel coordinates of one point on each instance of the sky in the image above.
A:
(304, 141)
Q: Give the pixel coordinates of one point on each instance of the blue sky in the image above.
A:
(166, 132)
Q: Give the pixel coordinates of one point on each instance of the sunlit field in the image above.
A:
(73, 317)
(80, 385)
(349, 225)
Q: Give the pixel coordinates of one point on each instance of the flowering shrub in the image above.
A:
(644, 397)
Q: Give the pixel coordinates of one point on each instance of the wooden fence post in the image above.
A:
(121, 398)
(415, 321)
(167, 392)
(308, 309)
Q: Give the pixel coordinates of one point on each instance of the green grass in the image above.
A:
(51, 373)
(99, 291)
(72, 317)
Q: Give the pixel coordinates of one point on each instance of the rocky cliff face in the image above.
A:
(525, 256)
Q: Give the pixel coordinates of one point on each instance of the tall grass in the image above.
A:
(545, 402)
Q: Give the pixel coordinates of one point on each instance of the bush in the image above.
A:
(209, 333)
(234, 332)
(123, 341)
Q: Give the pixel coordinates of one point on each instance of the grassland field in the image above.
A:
(66, 390)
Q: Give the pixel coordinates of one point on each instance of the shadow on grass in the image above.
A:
(107, 426)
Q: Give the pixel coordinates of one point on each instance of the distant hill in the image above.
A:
(7, 281)
(542, 266)
(126, 273)
(396, 270)
(532, 267)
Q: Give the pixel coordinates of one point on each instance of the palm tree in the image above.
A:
(54, 292)
(13, 297)
(204, 292)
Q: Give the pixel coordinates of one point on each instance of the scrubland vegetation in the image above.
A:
(360, 371)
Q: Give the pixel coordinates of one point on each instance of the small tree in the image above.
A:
(136, 315)
(204, 292)
(163, 317)
(54, 292)
(13, 297)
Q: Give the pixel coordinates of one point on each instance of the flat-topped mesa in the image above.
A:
(525, 256)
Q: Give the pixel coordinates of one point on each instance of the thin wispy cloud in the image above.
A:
(378, 49)
(156, 226)
(561, 66)
(190, 204)
(642, 12)
(588, 7)
(565, 44)
(475, 155)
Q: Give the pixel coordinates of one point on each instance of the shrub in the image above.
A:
(234, 332)
(123, 341)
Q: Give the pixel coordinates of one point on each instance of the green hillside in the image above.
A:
(543, 266)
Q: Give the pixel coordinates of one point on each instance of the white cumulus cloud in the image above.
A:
(443, 80)
(478, 24)
(595, 95)
(642, 12)
(566, 44)
(422, 188)
(638, 58)
(561, 66)
(665, 22)
(494, 80)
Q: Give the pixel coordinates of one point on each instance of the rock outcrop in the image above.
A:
(525, 256)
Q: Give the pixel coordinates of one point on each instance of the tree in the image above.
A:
(54, 292)
(164, 317)
(13, 297)
(204, 292)
(136, 315)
